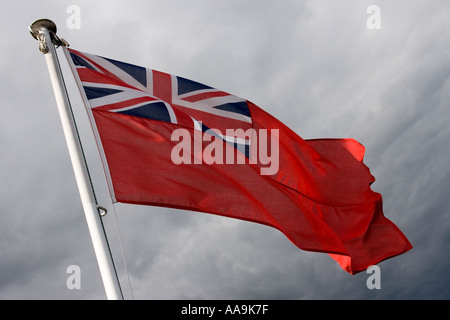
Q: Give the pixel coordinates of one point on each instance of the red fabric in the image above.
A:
(320, 198)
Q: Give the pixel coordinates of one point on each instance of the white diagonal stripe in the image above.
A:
(125, 77)
(116, 98)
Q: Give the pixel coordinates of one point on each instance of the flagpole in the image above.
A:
(45, 32)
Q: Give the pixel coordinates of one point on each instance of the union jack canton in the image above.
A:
(115, 86)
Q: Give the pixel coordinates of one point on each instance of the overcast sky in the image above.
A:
(315, 65)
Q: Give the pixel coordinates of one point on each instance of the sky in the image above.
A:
(314, 65)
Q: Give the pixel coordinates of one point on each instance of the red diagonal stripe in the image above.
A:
(205, 95)
(124, 104)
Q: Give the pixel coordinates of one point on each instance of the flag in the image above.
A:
(169, 141)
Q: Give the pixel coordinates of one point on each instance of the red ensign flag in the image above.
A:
(169, 141)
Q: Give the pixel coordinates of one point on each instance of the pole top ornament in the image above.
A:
(36, 30)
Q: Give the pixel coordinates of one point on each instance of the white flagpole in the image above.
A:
(45, 32)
